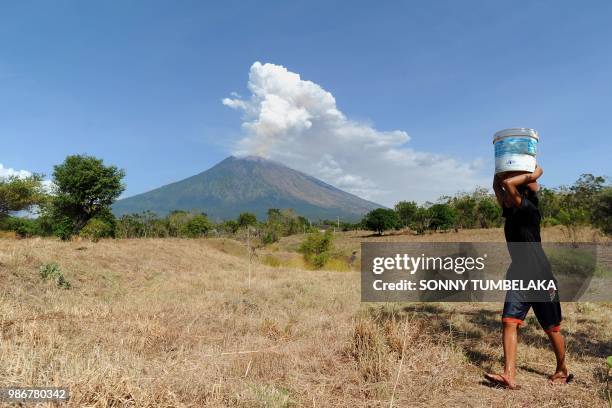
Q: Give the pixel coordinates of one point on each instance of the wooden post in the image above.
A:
(249, 252)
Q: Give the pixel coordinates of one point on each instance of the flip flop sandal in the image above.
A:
(501, 381)
(562, 379)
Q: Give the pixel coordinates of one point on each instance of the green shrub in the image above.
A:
(317, 247)
(52, 271)
(550, 222)
(96, 229)
(246, 218)
(63, 228)
(271, 234)
(197, 226)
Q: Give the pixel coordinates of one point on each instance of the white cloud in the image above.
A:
(5, 172)
(297, 122)
(9, 172)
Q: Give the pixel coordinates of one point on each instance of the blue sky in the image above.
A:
(140, 84)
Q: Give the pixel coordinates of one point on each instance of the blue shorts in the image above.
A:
(516, 307)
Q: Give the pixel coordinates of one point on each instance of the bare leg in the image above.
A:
(510, 345)
(508, 378)
(558, 344)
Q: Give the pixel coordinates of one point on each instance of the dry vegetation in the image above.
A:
(170, 322)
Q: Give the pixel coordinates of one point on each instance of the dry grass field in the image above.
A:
(170, 322)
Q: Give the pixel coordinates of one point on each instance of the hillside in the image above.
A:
(249, 184)
(172, 322)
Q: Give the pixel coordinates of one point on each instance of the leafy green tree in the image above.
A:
(572, 218)
(406, 211)
(586, 190)
(230, 226)
(381, 220)
(466, 207)
(246, 219)
(422, 220)
(84, 189)
(489, 213)
(273, 214)
(20, 193)
(602, 214)
(443, 216)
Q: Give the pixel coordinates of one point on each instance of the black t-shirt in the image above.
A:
(523, 222)
(523, 227)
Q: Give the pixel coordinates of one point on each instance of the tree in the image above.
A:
(273, 214)
(586, 189)
(84, 189)
(489, 213)
(406, 210)
(443, 216)
(465, 206)
(381, 220)
(20, 193)
(550, 203)
(602, 215)
(246, 219)
(230, 226)
(572, 218)
(422, 220)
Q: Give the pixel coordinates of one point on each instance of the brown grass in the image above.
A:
(170, 322)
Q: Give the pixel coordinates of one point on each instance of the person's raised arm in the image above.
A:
(499, 190)
(511, 184)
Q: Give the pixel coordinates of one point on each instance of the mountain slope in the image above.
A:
(249, 184)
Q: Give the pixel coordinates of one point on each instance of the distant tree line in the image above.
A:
(83, 188)
(587, 202)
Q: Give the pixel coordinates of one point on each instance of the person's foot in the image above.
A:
(561, 376)
(503, 380)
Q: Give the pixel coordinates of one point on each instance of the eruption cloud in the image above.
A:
(297, 122)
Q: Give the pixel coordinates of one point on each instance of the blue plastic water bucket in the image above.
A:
(515, 149)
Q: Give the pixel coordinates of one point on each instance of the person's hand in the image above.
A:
(537, 173)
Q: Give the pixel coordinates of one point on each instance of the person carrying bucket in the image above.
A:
(515, 185)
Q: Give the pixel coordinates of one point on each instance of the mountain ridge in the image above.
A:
(253, 184)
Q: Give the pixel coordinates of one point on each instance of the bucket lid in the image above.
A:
(525, 132)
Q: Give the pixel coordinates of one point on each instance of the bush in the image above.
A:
(246, 218)
(197, 226)
(52, 271)
(23, 227)
(550, 222)
(96, 229)
(317, 247)
(63, 228)
(271, 234)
